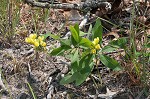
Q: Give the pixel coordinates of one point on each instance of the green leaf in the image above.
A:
(56, 37)
(75, 61)
(97, 30)
(67, 79)
(74, 33)
(66, 42)
(86, 66)
(148, 45)
(85, 42)
(79, 73)
(110, 62)
(86, 60)
(82, 33)
(86, 52)
(75, 56)
(73, 42)
(59, 50)
(108, 49)
(120, 43)
(80, 78)
(89, 31)
(74, 67)
(76, 27)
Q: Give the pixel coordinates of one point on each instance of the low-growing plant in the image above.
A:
(38, 42)
(84, 53)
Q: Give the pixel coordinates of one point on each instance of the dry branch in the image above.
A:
(90, 4)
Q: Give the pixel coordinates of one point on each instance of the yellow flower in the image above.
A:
(33, 36)
(41, 38)
(93, 51)
(32, 39)
(27, 40)
(43, 43)
(97, 47)
(96, 41)
(36, 44)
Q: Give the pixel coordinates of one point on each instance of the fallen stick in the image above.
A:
(83, 5)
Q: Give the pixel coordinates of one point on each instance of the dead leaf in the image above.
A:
(113, 33)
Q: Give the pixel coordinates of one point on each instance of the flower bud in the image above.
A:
(27, 40)
(93, 51)
(41, 38)
(43, 44)
(96, 41)
(97, 47)
(36, 44)
(33, 36)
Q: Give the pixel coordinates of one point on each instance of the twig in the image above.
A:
(91, 4)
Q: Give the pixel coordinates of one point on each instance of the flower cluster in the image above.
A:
(96, 45)
(37, 41)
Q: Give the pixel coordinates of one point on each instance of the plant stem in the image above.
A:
(94, 82)
(133, 42)
(37, 57)
(99, 75)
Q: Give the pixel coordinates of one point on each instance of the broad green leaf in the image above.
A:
(74, 33)
(75, 61)
(76, 27)
(86, 60)
(84, 63)
(60, 50)
(67, 79)
(77, 77)
(73, 42)
(110, 62)
(82, 33)
(75, 56)
(80, 78)
(66, 42)
(108, 49)
(86, 70)
(74, 67)
(85, 42)
(120, 43)
(97, 30)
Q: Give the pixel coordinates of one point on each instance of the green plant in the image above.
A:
(136, 58)
(82, 51)
(33, 95)
(38, 43)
